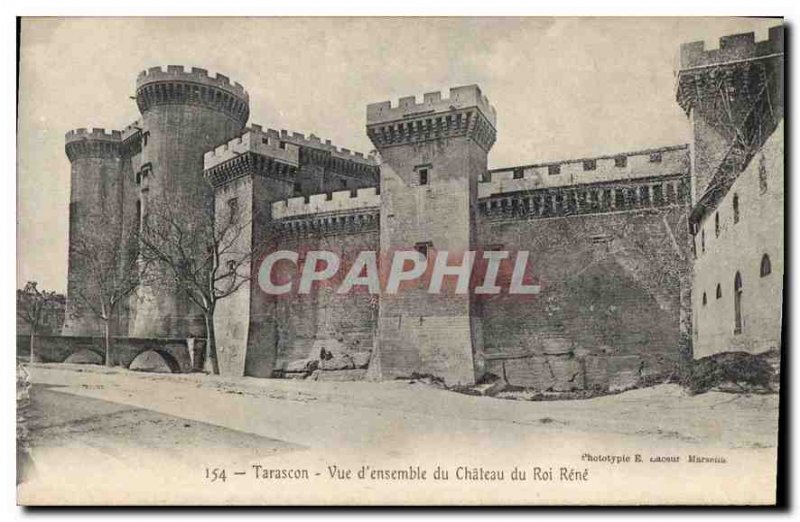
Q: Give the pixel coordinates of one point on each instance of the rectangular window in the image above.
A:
(670, 193)
(619, 198)
(423, 247)
(621, 161)
(518, 173)
(554, 169)
(297, 189)
(233, 210)
(658, 195)
(589, 164)
(423, 176)
(655, 157)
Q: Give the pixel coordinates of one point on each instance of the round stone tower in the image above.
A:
(95, 196)
(184, 114)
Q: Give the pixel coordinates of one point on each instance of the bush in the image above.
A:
(731, 371)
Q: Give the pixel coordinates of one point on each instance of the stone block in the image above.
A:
(623, 372)
(338, 362)
(361, 359)
(528, 372)
(596, 373)
(341, 375)
(567, 373)
(302, 365)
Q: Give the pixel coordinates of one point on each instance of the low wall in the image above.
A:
(184, 354)
(568, 372)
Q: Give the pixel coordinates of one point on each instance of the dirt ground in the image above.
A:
(665, 412)
(125, 418)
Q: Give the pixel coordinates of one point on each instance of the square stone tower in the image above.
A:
(433, 155)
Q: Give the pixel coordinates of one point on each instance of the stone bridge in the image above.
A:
(144, 354)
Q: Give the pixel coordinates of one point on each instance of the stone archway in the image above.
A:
(156, 361)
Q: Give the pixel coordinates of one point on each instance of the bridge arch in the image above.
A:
(155, 360)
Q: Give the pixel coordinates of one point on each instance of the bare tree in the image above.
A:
(206, 259)
(33, 305)
(107, 270)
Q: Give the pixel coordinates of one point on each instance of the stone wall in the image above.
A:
(307, 323)
(613, 305)
(739, 247)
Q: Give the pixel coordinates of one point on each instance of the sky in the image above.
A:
(563, 88)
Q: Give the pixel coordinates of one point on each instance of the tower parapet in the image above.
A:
(731, 48)
(156, 86)
(734, 98)
(94, 143)
(253, 151)
(466, 112)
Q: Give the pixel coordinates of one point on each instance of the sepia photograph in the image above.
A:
(404, 261)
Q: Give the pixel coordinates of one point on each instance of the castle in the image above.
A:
(613, 240)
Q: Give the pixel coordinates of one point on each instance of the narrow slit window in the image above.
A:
(423, 176)
(766, 266)
(233, 210)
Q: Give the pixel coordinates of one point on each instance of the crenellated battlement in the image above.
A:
(131, 130)
(255, 141)
(330, 202)
(464, 97)
(650, 163)
(94, 143)
(731, 48)
(155, 87)
(312, 141)
(194, 74)
(95, 133)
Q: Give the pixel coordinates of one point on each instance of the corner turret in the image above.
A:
(733, 96)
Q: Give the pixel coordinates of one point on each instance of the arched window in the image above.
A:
(737, 303)
(705, 299)
(716, 224)
(719, 291)
(736, 208)
(766, 266)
